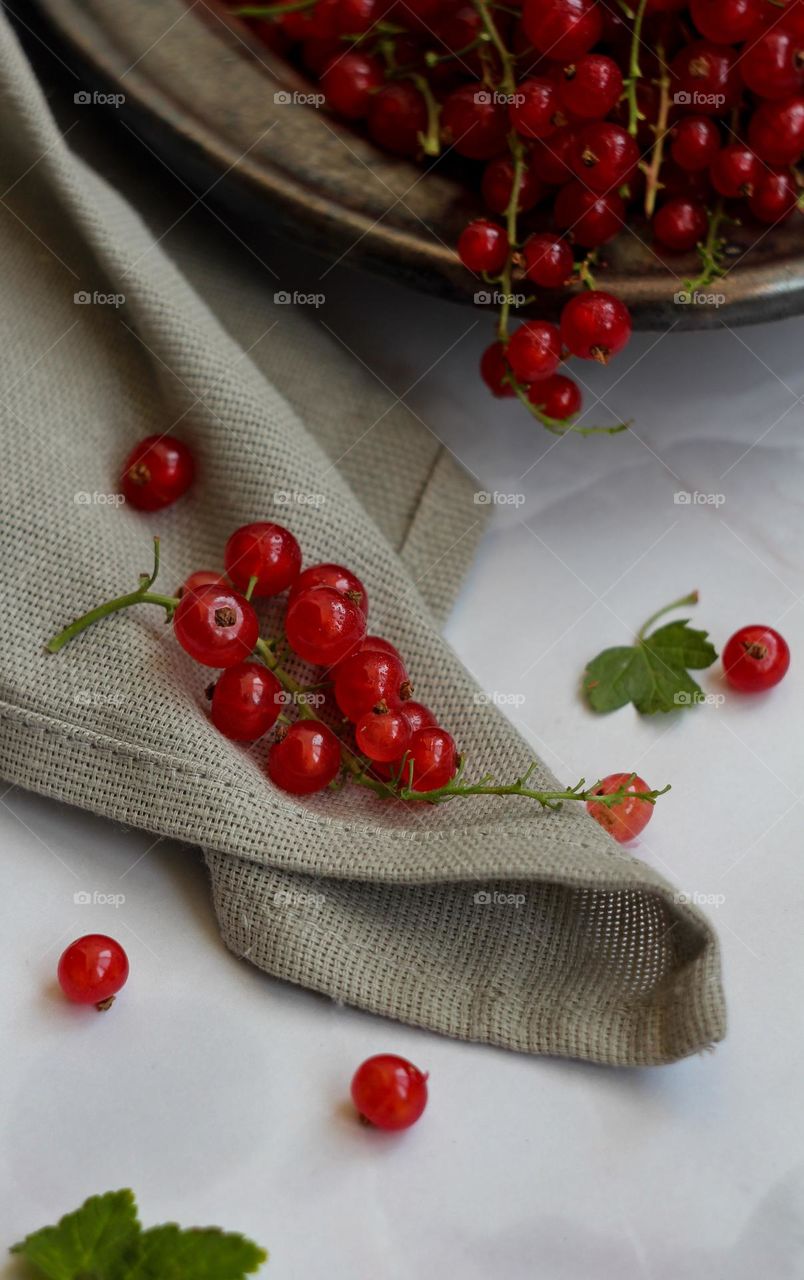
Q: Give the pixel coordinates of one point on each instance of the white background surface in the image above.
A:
(221, 1096)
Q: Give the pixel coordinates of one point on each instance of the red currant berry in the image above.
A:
(493, 369)
(695, 141)
(625, 820)
(335, 576)
(728, 21)
(548, 260)
(534, 350)
(776, 132)
(397, 116)
(595, 325)
(389, 1092)
(734, 171)
(534, 113)
(773, 66)
(775, 196)
(557, 397)
(383, 735)
(706, 78)
(552, 162)
(157, 471)
(418, 716)
(216, 626)
(591, 220)
(349, 83)
(498, 184)
(681, 223)
(265, 551)
(606, 156)
(591, 87)
(473, 122)
(306, 759)
(92, 970)
(755, 658)
(322, 625)
(366, 678)
(202, 578)
(483, 246)
(354, 17)
(246, 702)
(431, 760)
(562, 29)
(377, 644)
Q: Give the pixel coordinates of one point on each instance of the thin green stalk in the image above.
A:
(682, 603)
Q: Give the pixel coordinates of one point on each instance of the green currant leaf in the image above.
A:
(205, 1253)
(653, 674)
(99, 1241)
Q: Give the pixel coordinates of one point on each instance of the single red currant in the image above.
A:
(548, 259)
(590, 220)
(355, 17)
(306, 759)
(557, 397)
(265, 551)
(562, 29)
(734, 171)
(755, 658)
(728, 21)
(366, 678)
(776, 132)
(473, 122)
(695, 141)
(323, 625)
(551, 162)
(534, 350)
(397, 117)
(535, 113)
(92, 970)
(591, 87)
(706, 78)
(625, 820)
(606, 156)
(431, 760)
(595, 325)
(335, 576)
(775, 196)
(418, 716)
(157, 471)
(483, 246)
(383, 735)
(349, 82)
(681, 223)
(246, 702)
(773, 66)
(389, 1092)
(216, 626)
(498, 184)
(494, 369)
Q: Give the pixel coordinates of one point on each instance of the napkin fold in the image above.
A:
(486, 919)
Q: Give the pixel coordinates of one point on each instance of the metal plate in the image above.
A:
(203, 92)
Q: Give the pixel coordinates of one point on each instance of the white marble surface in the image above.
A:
(221, 1096)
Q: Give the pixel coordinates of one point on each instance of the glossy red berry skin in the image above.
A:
(431, 760)
(557, 397)
(535, 111)
(418, 716)
(493, 368)
(157, 471)
(773, 66)
(389, 1092)
(706, 78)
(349, 82)
(755, 658)
(216, 626)
(776, 132)
(474, 123)
(397, 115)
(734, 171)
(534, 350)
(590, 220)
(680, 223)
(265, 551)
(383, 735)
(354, 17)
(246, 702)
(202, 578)
(549, 260)
(562, 29)
(306, 759)
(331, 575)
(728, 21)
(591, 87)
(623, 821)
(483, 247)
(92, 970)
(498, 183)
(366, 678)
(323, 625)
(694, 143)
(606, 156)
(595, 325)
(775, 197)
(551, 163)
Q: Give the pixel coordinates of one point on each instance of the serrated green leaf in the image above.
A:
(653, 673)
(204, 1253)
(99, 1241)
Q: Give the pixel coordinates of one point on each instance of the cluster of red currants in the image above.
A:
(587, 117)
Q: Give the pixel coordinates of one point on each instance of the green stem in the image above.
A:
(653, 170)
(272, 10)
(635, 72)
(710, 252)
(682, 603)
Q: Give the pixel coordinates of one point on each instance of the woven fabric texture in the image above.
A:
(380, 905)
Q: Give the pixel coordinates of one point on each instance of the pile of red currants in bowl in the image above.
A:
(675, 119)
